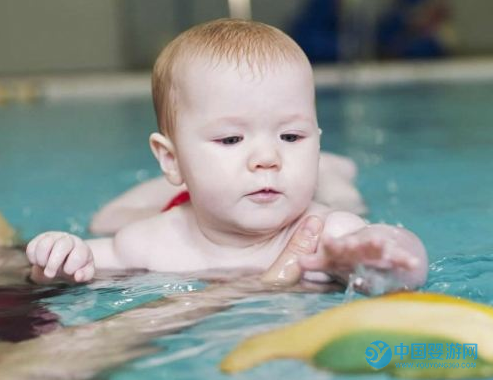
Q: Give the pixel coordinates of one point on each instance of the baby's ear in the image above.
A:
(165, 152)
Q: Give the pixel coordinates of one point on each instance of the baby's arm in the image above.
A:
(68, 257)
(348, 244)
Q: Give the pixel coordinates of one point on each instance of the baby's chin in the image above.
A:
(258, 224)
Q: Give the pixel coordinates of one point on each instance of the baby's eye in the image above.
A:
(230, 140)
(290, 137)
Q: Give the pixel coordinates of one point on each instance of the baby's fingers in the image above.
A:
(371, 251)
(41, 249)
(334, 247)
(62, 247)
(332, 251)
(80, 257)
(398, 258)
(31, 248)
(85, 274)
(386, 256)
(343, 251)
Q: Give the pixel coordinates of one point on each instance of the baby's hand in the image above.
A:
(58, 254)
(367, 247)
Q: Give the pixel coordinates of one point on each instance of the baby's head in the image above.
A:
(235, 106)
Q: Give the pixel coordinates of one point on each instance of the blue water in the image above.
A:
(426, 161)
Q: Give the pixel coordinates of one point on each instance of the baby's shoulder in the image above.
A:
(141, 241)
(166, 221)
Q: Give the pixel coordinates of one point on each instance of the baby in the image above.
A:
(235, 105)
(336, 189)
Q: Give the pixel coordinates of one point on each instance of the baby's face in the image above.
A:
(247, 145)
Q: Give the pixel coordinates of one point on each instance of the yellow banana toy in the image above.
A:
(417, 335)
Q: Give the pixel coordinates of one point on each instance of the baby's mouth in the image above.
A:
(265, 195)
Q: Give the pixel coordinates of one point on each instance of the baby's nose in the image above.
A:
(265, 158)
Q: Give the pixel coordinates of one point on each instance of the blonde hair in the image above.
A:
(237, 41)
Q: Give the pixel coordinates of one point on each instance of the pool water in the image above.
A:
(426, 162)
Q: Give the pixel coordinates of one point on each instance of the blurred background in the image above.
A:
(390, 74)
(53, 36)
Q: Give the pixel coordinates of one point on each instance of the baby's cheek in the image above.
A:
(214, 198)
(305, 187)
